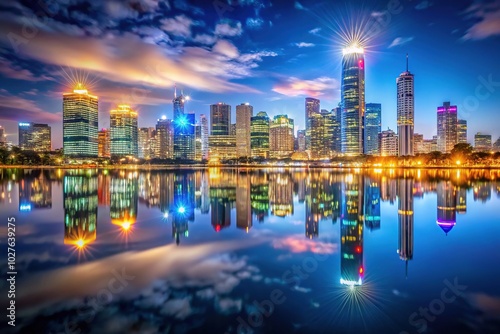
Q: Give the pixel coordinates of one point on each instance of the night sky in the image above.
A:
(271, 54)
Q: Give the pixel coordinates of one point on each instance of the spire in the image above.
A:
(175, 91)
(406, 62)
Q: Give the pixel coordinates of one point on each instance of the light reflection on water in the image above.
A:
(350, 251)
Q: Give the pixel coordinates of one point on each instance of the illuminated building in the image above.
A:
(80, 123)
(373, 126)
(182, 209)
(222, 145)
(482, 142)
(311, 108)
(124, 198)
(462, 131)
(301, 140)
(405, 220)
(35, 191)
(388, 143)
(103, 187)
(123, 131)
(281, 194)
(496, 145)
(259, 135)
(80, 208)
(184, 133)
(319, 201)
(146, 143)
(418, 143)
(34, 137)
(446, 127)
(351, 232)
(164, 139)
(3, 137)
(259, 195)
(198, 154)
(204, 136)
(243, 208)
(461, 200)
(372, 203)
(353, 100)
(446, 206)
(244, 113)
(406, 110)
(337, 140)
(103, 144)
(281, 137)
(222, 199)
(317, 148)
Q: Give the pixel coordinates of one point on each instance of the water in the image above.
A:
(254, 251)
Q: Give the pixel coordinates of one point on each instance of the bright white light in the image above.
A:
(181, 209)
(188, 98)
(353, 48)
(163, 117)
(165, 215)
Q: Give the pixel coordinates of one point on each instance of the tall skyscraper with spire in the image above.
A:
(353, 100)
(184, 134)
(406, 109)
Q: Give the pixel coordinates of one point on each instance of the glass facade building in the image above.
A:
(373, 126)
(35, 137)
(124, 132)
(405, 108)
(259, 135)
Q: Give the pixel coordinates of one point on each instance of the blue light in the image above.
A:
(181, 209)
(25, 207)
(24, 124)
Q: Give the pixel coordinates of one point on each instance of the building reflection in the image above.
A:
(259, 195)
(461, 200)
(35, 191)
(281, 194)
(482, 191)
(351, 231)
(243, 208)
(166, 192)
(222, 198)
(80, 207)
(405, 220)
(124, 197)
(322, 201)
(103, 183)
(446, 206)
(372, 203)
(149, 189)
(182, 210)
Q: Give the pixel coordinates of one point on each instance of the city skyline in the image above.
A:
(237, 60)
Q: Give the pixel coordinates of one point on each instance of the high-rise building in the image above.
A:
(462, 131)
(311, 108)
(3, 137)
(197, 142)
(496, 145)
(145, 150)
(34, 137)
(80, 123)
(244, 113)
(301, 140)
(259, 135)
(317, 128)
(446, 127)
(220, 119)
(418, 143)
(353, 100)
(406, 109)
(164, 139)
(204, 136)
(337, 142)
(482, 142)
(103, 144)
(222, 145)
(281, 137)
(123, 131)
(373, 126)
(183, 123)
(388, 143)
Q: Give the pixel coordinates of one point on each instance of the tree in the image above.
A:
(462, 150)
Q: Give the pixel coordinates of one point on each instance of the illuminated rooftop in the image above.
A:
(353, 48)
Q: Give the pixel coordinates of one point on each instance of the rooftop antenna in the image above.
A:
(406, 62)
(175, 91)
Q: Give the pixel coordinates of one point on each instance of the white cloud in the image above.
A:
(487, 18)
(178, 26)
(297, 87)
(400, 41)
(304, 45)
(205, 39)
(254, 23)
(179, 308)
(227, 29)
(226, 48)
(315, 31)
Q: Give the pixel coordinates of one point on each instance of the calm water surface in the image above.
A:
(254, 251)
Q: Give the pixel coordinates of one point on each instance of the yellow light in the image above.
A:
(458, 162)
(80, 243)
(353, 48)
(126, 225)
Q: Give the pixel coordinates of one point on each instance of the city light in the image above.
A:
(353, 48)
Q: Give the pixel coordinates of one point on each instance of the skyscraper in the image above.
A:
(3, 137)
(406, 108)
(388, 143)
(301, 140)
(220, 119)
(80, 118)
(373, 126)
(144, 143)
(103, 144)
(35, 137)
(244, 112)
(204, 136)
(123, 130)
(259, 135)
(337, 141)
(164, 139)
(317, 149)
(446, 127)
(462, 131)
(311, 108)
(482, 142)
(184, 136)
(281, 137)
(353, 100)
(222, 144)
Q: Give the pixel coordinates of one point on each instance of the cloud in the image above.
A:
(254, 23)
(10, 70)
(299, 6)
(228, 29)
(298, 244)
(487, 18)
(489, 305)
(378, 14)
(296, 87)
(304, 45)
(315, 31)
(179, 308)
(15, 108)
(423, 5)
(400, 41)
(228, 306)
(178, 26)
(226, 48)
(205, 39)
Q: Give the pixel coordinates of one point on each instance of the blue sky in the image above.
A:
(272, 54)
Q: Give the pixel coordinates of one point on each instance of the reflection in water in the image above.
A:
(372, 203)
(281, 194)
(243, 207)
(446, 206)
(35, 191)
(405, 220)
(259, 195)
(182, 209)
(124, 196)
(80, 207)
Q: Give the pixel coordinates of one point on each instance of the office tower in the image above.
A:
(418, 143)
(34, 137)
(482, 142)
(462, 131)
(244, 113)
(301, 140)
(222, 145)
(353, 100)
(405, 220)
(204, 136)
(281, 194)
(446, 206)
(496, 145)
(80, 207)
(232, 130)
(103, 143)
(3, 137)
(329, 128)
(80, 117)
(372, 203)
(311, 108)
(434, 143)
(145, 149)
(243, 208)
(35, 191)
(406, 109)
(123, 131)
(124, 198)
(183, 124)
(220, 119)
(373, 126)
(197, 142)
(164, 139)
(281, 137)
(351, 232)
(388, 143)
(446, 127)
(317, 127)
(337, 142)
(259, 135)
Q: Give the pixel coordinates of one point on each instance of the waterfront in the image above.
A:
(255, 250)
